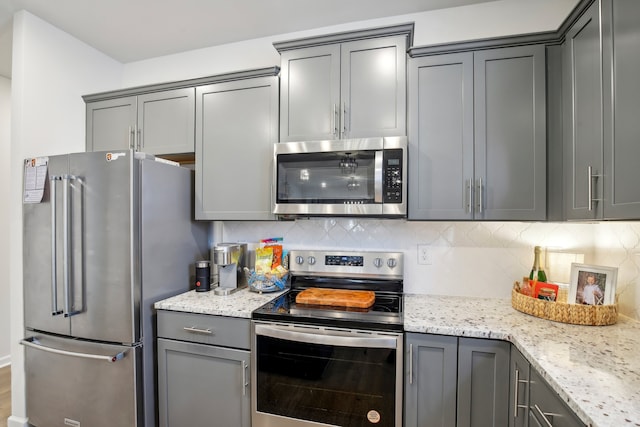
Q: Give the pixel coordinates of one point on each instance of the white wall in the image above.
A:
(493, 19)
(5, 190)
(51, 71)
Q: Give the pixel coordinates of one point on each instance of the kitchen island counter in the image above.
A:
(595, 369)
(238, 304)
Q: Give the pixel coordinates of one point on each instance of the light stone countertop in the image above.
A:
(595, 369)
(238, 304)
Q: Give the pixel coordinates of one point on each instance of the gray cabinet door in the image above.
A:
(582, 87)
(373, 88)
(236, 129)
(310, 94)
(441, 137)
(166, 121)
(201, 385)
(510, 133)
(111, 124)
(430, 389)
(621, 49)
(546, 407)
(518, 390)
(483, 383)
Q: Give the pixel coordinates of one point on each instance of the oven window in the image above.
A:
(334, 385)
(326, 177)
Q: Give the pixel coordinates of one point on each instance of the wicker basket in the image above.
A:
(577, 314)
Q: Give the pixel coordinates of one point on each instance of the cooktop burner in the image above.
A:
(375, 271)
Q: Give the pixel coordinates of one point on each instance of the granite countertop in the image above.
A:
(237, 304)
(595, 369)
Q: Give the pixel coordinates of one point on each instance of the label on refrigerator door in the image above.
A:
(35, 179)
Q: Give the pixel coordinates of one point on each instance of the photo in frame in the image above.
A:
(592, 284)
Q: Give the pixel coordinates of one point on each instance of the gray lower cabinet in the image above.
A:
(353, 89)
(456, 381)
(203, 370)
(160, 122)
(477, 135)
(533, 402)
(236, 129)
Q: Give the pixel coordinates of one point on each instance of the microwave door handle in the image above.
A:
(54, 255)
(378, 178)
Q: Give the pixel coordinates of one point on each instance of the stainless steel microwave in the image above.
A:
(365, 177)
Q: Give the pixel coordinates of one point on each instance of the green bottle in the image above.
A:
(537, 273)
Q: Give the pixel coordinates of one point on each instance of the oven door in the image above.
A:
(316, 376)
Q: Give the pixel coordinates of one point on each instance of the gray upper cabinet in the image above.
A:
(621, 49)
(441, 137)
(477, 135)
(236, 129)
(348, 86)
(111, 124)
(160, 122)
(582, 118)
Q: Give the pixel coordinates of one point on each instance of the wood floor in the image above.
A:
(5, 394)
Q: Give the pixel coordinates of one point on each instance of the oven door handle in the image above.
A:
(324, 336)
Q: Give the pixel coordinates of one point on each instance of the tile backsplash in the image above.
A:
(467, 258)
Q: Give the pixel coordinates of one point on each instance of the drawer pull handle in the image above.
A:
(198, 330)
(544, 415)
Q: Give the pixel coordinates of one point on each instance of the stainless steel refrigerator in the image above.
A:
(112, 235)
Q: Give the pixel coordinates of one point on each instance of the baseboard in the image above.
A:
(14, 421)
(5, 360)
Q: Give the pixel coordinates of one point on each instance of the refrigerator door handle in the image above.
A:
(54, 269)
(34, 343)
(66, 259)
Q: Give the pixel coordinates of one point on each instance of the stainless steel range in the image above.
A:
(327, 365)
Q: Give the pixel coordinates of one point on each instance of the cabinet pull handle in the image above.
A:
(590, 177)
(334, 121)
(544, 415)
(131, 138)
(245, 383)
(198, 330)
(410, 363)
(517, 383)
(344, 119)
(139, 139)
(479, 204)
(469, 195)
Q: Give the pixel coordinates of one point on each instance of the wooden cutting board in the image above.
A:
(336, 297)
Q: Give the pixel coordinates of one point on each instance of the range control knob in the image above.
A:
(311, 260)
(377, 262)
(392, 262)
(299, 260)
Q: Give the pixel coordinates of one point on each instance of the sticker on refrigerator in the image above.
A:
(35, 179)
(373, 416)
(114, 156)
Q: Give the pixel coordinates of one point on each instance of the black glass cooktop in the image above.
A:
(385, 314)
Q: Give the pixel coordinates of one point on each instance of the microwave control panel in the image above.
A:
(392, 179)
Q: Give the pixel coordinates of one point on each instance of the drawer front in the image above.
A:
(544, 402)
(203, 328)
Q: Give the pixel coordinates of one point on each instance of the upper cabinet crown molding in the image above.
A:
(347, 36)
(200, 81)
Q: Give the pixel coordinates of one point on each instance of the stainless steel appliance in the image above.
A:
(316, 365)
(230, 260)
(112, 235)
(343, 177)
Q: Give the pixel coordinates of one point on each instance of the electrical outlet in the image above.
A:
(424, 255)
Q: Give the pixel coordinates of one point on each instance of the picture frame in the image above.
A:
(592, 284)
